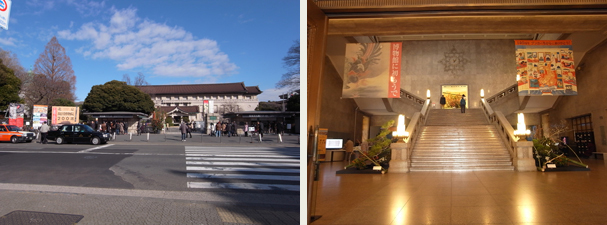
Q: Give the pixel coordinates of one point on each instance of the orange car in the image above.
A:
(8, 133)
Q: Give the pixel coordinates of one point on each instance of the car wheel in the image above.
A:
(59, 140)
(95, 141)
(14, 139)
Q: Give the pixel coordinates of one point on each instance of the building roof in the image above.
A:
(186, 109)
(192, 89)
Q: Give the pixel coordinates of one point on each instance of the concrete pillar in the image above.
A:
(400, 162)
(524, 156)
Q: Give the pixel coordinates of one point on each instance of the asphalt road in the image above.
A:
(146, 167)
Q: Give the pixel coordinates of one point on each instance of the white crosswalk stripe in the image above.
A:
(242, 168)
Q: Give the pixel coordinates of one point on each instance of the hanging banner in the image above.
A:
(372, 70)
(65, 115)
(16, 112)
(211, 107)
(205, 106)
(545, 68)
(40, 115)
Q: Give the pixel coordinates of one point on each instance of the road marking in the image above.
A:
(243, 160)
(246, 186)
(242, 176)
(223, 168)
(241, 169)
(242, 164)
(244, 156)
(92, 149)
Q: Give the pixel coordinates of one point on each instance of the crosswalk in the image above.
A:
(242, 168)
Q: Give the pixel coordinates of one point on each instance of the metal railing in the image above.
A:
(411, 97)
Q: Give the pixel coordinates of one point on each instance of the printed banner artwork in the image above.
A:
(65, 115)
(40, 115)
(545, 68)
(372, 70)
(16, 112)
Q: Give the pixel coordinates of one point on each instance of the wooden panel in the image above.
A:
(466, 24)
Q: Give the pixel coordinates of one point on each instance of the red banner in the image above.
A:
(395, 59)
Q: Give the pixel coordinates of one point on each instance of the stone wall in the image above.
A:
(592, 95)
(486, 64)
(338, 113)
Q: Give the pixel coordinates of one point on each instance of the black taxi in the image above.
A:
(77, 133)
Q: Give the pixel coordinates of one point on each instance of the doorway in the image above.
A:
(453, 95)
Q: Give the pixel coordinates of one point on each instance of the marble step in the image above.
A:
(461, 168)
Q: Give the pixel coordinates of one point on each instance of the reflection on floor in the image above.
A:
(463, 197)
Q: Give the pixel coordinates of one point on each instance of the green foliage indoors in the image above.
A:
(10, 86)
(115, 96)
(379, 149)
(293, 103)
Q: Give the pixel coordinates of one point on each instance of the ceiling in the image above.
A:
(364, 21)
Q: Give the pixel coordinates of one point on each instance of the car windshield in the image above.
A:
(87, 128)
(13, 128)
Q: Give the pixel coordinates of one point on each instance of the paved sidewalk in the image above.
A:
(174, 138)
(121, 206)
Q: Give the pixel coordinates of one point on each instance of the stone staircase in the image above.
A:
(455, 141)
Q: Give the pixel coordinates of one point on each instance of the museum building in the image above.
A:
(529, 70)
(203, 102)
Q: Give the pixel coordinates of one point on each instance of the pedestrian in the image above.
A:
(138, 128)
(261, 129)
(126, 127)
(229, 129)
(223, 129)
(462, 103)
(443, 101)
(217, 129)
(183, 128)
(233, 129)
(246, 129)
(279, 128)
(190, 129)
(121, 128)
(44, 132)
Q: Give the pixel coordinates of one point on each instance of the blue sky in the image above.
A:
(171, 42)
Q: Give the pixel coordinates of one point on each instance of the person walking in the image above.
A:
(233, 128)
(246, 129)
(443, 101)
(138, 128)
(44, 132)
(462, 103)
(189, 129)
(261, 129)
(121, 128)
(184, 129)
(217, 129)
(223, 129)
(229, 129)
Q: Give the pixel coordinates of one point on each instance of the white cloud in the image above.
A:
(141, 43)
(272, 94)
(8, 41)
(87, 8)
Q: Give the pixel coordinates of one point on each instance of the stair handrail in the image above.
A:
(418, 120)
(408, 95)
(506, 130)
(501, 94)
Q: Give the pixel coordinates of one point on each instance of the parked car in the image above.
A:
(11, 133)
(77, 133)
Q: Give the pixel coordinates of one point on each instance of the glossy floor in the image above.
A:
(573, 197)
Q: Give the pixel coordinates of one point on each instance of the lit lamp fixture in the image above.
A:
(400, 134)
(427, 95)
(518, 77)
(482, 93)
(521, 130)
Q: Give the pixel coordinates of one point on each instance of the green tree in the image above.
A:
(293, 103)
(268, 106)
(10, 86)
(169, 120)
(116, 96)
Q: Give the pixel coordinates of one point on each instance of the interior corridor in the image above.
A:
(501, 197)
